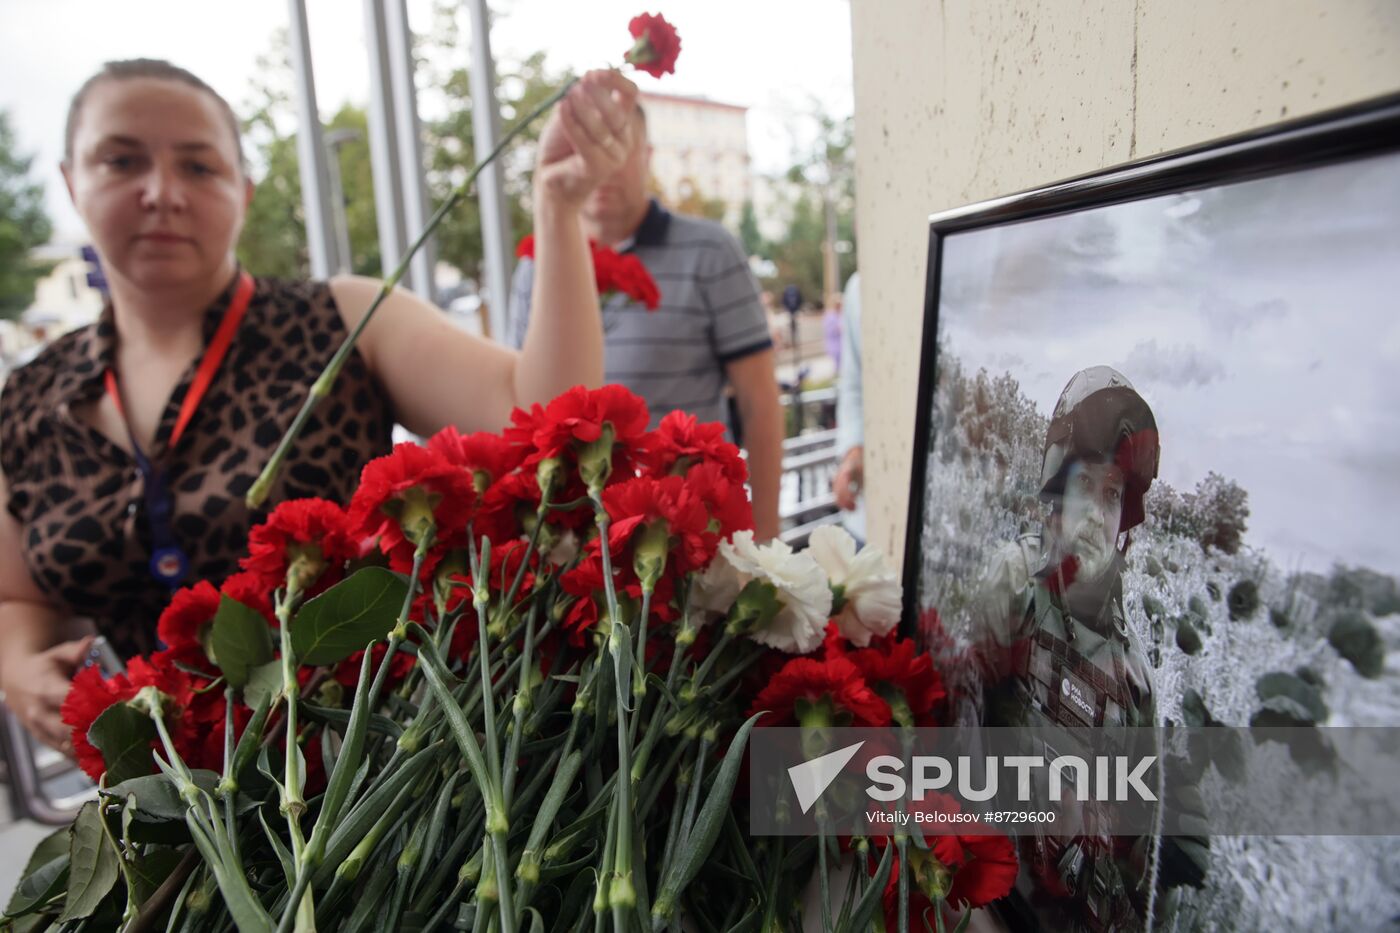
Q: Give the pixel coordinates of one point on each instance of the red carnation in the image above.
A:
(90, 695)
(612, 272)
(183, 625)
(312, 531)
(585, 582)
(977, 869)
(680, 442)
(643, 501)
(896, 671)
(657, 46)
(487, 457)
(835, 683)
(625, 273)
(726, 500)
(347, 672)
(248, 589)
(412, 494)
(564, 429)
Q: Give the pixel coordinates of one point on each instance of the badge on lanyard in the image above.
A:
(169, 564)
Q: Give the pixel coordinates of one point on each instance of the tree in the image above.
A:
(691, 200)
(1221, 507)
(749, 235)
(274, 237)
(23, 225)
(821, 183)
(274, 234)
(451, 150)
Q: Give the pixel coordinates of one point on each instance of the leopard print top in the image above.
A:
(79, 497)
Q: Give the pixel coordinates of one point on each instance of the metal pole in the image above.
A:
(409, 137)
(334, 140)
(311, 151)
(383, 151)
(496, 236)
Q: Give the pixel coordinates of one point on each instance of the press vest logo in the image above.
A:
(1070, 691)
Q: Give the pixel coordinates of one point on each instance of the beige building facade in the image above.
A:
(964, 100)
(700, 148)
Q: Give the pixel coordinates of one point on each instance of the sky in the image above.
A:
(734, 51)
(1261, 322)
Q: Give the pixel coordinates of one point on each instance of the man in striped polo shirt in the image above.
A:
(710, 330)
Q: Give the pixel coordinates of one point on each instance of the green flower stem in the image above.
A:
(301, 907)
(600, 897)
(655, 781)
(481, 594)
(530, 549)
(823, 881)
(639, 675)
(321, 388)
(654, 727)
(497, 817)
(770, 921)
(901, 842)
(208, 834)
(673, 836)
(691, 690)
(621, 894)
(692, 803)
(397, 633)
(230, 811)
(128, 915)
(511, 765)
(734, 672)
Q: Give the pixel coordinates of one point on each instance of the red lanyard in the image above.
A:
(208, 366)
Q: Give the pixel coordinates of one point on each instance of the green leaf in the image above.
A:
(264, 683)
(124, 738)
(874, 894)
(157, 800)
(708, 824)
(239, 640)
(346, 617)
(94, 864)
(39, 886)
(52, 847)
(150, 870)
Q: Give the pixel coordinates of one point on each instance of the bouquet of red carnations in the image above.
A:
(510, 686)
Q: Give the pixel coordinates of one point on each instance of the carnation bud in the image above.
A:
(413, 510)
(649, 556)
(595, 460)
(150, 701)
(547, 475)
(755, 607)
(304, 567)
(932, 876)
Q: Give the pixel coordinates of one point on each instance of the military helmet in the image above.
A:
(1101, 418)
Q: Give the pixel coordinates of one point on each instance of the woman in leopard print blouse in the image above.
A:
(154, 166)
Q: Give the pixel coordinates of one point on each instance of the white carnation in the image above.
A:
(873, 595)
(802, 589)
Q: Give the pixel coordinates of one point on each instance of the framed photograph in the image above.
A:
(1160, 405)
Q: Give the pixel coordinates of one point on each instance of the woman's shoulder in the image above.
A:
(293, 308)
(57, 369)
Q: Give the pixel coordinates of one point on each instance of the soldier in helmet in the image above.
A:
(1053, 645)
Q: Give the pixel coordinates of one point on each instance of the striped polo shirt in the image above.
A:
(710, 315)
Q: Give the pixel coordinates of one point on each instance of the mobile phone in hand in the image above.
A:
(104, 657)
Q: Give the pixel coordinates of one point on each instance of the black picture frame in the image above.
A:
(1363, 129)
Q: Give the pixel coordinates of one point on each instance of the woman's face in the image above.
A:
(155, 176)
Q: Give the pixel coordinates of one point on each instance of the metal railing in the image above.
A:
(810, 460)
